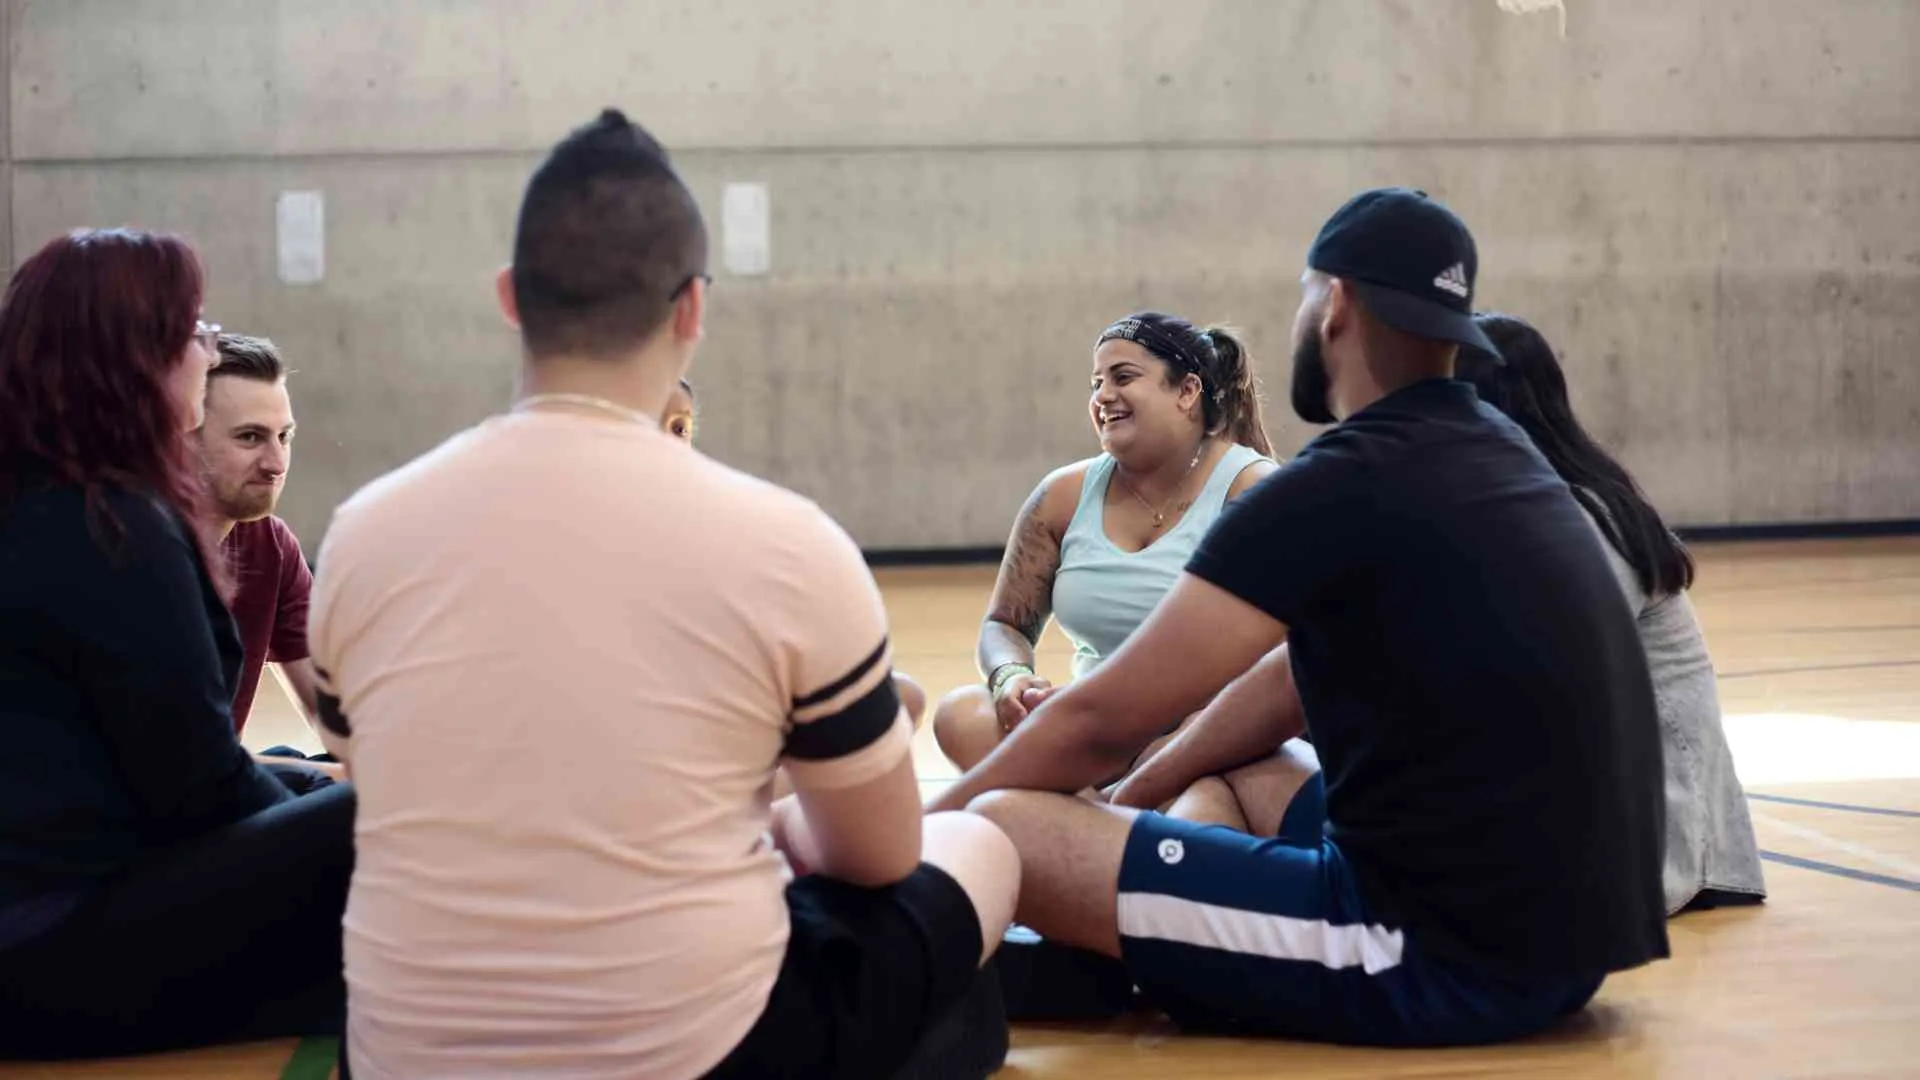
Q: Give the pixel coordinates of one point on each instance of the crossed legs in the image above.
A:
(1252, 798)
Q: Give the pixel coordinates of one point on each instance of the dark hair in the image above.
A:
(693, 410)
(92, 328)
(1531, 389)
(607, 239)
(1229, 387)
(248, 358)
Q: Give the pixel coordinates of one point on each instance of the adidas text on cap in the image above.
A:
(1411, 259)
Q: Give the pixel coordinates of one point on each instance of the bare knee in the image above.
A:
(912, 698)
(1007, 809)
(1209, 800)
(1070, 855)
(1035, 821)
(965, 726)
(1265, 788)
(979, 856)
(962, 705)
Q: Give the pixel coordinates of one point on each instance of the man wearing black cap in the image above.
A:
(1491, 842)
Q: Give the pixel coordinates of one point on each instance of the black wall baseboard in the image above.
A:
(1798, 530)
(1803, 530)
(959, 556)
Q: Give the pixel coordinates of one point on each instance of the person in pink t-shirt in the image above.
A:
(679, 421)
(564, 659)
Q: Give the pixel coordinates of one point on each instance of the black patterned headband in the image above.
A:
(1156, 341)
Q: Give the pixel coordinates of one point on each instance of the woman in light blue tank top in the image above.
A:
(1099, 542)
(1101, 591)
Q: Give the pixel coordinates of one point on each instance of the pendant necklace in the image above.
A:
(1160, 514)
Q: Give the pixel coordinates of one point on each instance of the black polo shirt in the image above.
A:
(1473, 680)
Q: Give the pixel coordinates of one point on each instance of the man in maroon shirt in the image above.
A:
(247, 444)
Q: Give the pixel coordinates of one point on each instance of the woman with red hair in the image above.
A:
(158, 888)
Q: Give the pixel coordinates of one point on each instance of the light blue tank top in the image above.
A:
(1101, 593)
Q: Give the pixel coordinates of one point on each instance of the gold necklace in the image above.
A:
(1160, 515)
(586, 401)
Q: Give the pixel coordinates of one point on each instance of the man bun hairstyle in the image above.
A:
(607, 239)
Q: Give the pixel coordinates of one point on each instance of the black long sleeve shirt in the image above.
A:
(117, 663)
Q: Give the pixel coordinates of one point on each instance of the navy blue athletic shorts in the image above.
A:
(1235, 934)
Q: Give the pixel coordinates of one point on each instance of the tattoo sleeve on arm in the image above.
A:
(1023, 596)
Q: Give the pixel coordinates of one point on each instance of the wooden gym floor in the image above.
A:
(1817, 644)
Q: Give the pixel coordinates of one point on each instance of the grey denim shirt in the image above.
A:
(1710, 841)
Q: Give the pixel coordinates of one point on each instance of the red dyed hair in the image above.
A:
(91, 330)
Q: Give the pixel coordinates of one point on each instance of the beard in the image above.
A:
(244, 503)
(1311, 387)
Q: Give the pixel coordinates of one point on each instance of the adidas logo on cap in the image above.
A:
(1391, 240)
(1454, 280)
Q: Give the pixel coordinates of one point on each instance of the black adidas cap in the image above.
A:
(1412, 261)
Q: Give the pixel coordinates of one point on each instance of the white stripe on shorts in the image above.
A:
(1373, 948)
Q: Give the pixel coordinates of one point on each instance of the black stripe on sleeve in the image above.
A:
(839, 686)
(329, 707)
(852, 728)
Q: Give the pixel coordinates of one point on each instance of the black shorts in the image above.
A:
(867, 973)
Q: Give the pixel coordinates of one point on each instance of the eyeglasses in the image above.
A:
(703, 277)
(208, 335)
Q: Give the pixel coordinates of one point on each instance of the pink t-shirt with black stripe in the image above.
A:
(568, 653)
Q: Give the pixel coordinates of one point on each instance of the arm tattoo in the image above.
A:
(1023, 597)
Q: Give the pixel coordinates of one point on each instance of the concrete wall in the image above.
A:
(1714, 209)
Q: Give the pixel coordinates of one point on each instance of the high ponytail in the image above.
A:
(1229, 390)
(1236, 389)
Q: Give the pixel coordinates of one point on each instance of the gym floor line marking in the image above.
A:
(1791, 801)
(1840, 871)
(1802, 670)
(1862, 628)
(1858, 851)
(1776, 586)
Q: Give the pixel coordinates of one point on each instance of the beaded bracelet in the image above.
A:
(1005, 674)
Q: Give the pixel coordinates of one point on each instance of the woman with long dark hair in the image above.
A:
(158, 888)
(1712, 857)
